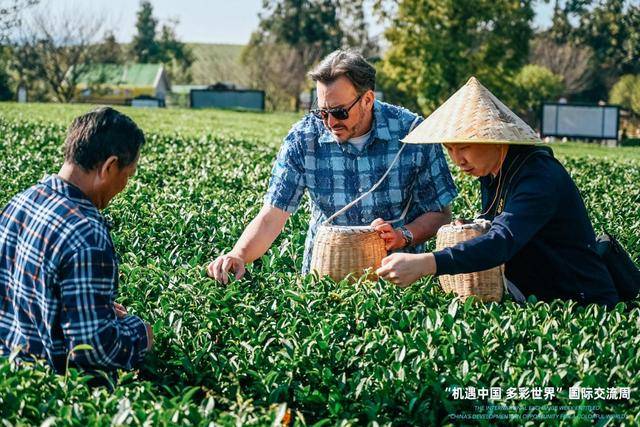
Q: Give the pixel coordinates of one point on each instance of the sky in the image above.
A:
(203, 21)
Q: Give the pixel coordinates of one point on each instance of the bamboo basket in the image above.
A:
(487, 285)
(340, 251)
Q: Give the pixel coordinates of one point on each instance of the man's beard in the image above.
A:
(350, 134)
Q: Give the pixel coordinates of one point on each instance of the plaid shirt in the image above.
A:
(337, 173)
(58, 281)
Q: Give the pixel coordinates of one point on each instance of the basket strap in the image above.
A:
(376, 185)
(404, 211)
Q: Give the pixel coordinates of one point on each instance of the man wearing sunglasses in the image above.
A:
(340, 151)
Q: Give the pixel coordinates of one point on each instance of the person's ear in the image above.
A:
(108, 167)
(369, 97)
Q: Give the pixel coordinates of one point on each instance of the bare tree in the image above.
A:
(277, 69)
(573, 63)
(57, 50)
(10, 15)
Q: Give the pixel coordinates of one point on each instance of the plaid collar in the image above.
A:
(68, 190)
(380, 128)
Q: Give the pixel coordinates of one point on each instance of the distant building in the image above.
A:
(226, 95)
(129, 84)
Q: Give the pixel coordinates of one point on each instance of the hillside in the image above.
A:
(218, 63)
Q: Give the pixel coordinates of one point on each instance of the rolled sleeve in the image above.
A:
(287, 182)
(434, 189)
(88, 317)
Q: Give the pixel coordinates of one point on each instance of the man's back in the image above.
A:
(58, 278)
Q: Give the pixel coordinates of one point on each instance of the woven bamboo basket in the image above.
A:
(339, 251)
(487, 285)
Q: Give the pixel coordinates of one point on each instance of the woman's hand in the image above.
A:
(404, 269)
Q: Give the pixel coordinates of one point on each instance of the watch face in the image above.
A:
(408, 237)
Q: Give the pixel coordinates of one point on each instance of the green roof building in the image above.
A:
(121, 84)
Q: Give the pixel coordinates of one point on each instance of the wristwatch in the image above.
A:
(407, 235)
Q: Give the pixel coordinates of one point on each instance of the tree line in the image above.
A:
(433, 46)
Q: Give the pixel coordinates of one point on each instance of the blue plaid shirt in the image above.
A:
(337, 173)
(58, 281)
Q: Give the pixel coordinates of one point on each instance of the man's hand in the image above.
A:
(404, 269)
(222, 265)
(149, 336)
(121, 311)
(392, 237)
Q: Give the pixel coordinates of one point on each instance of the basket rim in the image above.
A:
(347, 228)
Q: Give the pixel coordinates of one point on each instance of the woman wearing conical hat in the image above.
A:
(540, 228)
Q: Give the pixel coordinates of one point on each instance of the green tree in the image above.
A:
(610, 29)
(6, 93)
(144, 47)
(436, 46)
(534, 84)
(299, 33)
(176, 55)
(109, 51)
(301, 30)
(165, 48)
(626, 92)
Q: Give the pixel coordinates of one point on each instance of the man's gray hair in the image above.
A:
(348, 63)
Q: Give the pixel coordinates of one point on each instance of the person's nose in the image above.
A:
(331, 121)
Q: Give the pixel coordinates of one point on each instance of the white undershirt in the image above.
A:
(359, 141)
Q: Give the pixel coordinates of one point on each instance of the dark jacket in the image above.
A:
(540, 230)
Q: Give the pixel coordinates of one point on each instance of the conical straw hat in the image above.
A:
(473, 115)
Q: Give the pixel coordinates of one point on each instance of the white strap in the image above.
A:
(376, 185)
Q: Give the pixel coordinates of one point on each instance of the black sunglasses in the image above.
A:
(340, 113)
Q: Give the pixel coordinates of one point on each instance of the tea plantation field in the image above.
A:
(277, 347)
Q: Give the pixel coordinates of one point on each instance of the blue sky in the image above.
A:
(206, 21)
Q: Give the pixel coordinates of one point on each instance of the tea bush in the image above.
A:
(277, 345)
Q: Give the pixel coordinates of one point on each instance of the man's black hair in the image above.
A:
(99, 134)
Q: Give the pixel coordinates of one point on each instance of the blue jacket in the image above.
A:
(58, 282)
(540, 230)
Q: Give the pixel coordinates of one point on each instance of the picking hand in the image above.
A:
(121, 311)
(393, 238)
(222, 265)
(404, 269)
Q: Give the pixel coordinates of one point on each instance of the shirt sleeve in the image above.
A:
(87, 287)
(434, 189)
(287, 182)
(534, 201)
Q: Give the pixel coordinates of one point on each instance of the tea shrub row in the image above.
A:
(276, 344)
